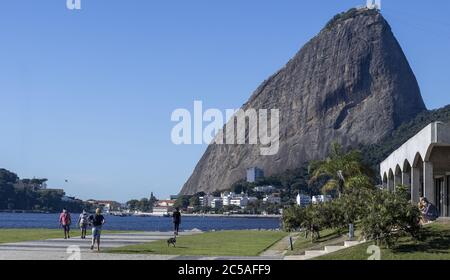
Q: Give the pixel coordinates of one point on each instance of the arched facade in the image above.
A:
(423, 164)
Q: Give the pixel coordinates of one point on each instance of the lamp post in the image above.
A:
(351, 227)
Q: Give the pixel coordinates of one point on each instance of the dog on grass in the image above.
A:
(172, 241)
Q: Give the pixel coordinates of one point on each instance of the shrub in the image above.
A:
(382, 216)
(388, 215)
(292, 218)
(341, 17)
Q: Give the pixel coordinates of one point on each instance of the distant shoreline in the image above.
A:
(155, 215)
(27, 212)
(234, 215)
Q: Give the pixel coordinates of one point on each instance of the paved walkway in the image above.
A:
(76, 248)
(279, 249)
(60, 249)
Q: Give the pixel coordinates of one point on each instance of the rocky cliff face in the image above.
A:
(351, 83)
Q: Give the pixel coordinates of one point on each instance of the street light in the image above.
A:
(351, 227)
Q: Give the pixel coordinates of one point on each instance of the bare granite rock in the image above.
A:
(351, 83)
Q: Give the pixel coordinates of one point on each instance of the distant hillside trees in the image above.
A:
(288, 184)
(30, 199)
(142, 205)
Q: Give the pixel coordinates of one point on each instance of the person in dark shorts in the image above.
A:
(176, 216)
(65, 221)
(97, 222)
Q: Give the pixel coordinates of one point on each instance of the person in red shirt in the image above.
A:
(65, 221)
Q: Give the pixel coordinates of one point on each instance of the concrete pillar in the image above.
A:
(428, 181)
(445, 208)
(390, 184)
(406, 178)
(415, 185)
(397, 180)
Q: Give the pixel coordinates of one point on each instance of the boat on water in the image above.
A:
(165, 215)
(120, 214)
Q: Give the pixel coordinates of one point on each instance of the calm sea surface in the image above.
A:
(26, 220)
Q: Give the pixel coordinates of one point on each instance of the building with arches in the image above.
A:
(423, 164)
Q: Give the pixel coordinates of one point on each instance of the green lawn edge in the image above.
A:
(434, 246)
(8, 235)
(218, 243)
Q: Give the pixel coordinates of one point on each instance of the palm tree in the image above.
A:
(343, 171)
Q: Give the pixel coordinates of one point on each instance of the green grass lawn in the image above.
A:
(302, 244)
(328, 237)
(434, 246)
(221, 243)
(20, 235)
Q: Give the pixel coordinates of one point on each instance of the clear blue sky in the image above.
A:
(87, 95)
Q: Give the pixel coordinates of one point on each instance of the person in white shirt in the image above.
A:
(83, 222)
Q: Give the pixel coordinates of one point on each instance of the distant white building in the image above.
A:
(211, 201)
(226, 201)
(105, 205)
(226, 198)
(253, 174)
(162, 210)
(264, 189)
(321, 199)
(216, 203)
(165, 203)
(303, 200)
(205, 201)
(272, 199)
(241, 201)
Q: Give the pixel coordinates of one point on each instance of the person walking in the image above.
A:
(83, 222)
(176, 216)
(65, 221)
(97, 222)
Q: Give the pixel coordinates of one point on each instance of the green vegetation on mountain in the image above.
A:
(346, 15)
(375, 153)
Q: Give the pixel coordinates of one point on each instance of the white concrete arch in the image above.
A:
(420, 144)
(418, 160)
(390, 184)
(406, 166)
(406, 173)
(385, 180)
(414, 164)
(397, 176)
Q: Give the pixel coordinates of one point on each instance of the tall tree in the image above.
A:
(342, 170)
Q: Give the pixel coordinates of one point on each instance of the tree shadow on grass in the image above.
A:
(432, 241)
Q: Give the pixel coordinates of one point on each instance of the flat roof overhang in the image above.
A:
(416, 148)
